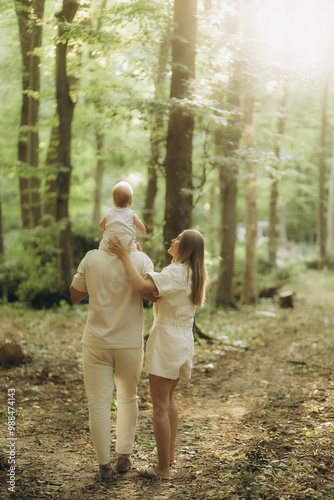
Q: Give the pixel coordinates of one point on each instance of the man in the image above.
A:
(112, 350)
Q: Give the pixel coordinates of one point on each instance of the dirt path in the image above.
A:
(256, 419)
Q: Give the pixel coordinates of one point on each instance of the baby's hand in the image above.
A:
(138, 245)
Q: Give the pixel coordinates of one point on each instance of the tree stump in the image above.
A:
(286, 299)
(10, 354)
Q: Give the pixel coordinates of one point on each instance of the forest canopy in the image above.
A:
(218, 113)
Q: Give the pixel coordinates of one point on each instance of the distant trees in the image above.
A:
(236, 142)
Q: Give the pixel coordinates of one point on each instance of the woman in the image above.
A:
(177, 290)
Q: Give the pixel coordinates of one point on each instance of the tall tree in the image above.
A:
(273, 216)
(51, 162)
(99, 170)
(157, 133)
(330, 210)
(226, 144)
(30, 15)
(99, 140)
(248, 295)
(65, 109)
(2, 247)
(178, 162)
(321, 229)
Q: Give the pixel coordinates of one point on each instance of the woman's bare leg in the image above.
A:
(161, 390)
(173, 420)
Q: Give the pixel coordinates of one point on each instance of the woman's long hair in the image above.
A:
(191, 252)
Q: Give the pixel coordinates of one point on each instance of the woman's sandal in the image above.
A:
(149, 471)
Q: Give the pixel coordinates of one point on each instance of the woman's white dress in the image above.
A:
(170, 346)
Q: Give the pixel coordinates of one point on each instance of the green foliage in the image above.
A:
(32, 276)
(40, 261)
(329, 261)
(118, 48)
(85, 237)
(264, 266)
(12, 273)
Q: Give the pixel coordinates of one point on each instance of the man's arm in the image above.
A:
(76, 295)
(151, 297)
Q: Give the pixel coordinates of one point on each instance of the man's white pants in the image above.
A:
(104, 368)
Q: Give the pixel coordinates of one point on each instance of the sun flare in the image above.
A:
(296, 33)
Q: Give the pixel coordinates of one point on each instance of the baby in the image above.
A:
(120, 220)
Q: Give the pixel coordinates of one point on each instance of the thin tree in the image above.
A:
(274, 194)
(330, 210)
(30, 15)
(157, 133)
(99, 140)
(2, 246)
(226, 144)
(248, 295)
(178, 162)
(321, 229)
(65, 110)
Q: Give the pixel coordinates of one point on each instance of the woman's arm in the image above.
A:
(138, 282)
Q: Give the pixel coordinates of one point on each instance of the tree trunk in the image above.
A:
(272, 236)
(322, 179)
(226, 143)
(249, 295)
(212, 232)
(282, 227)
(99, 135)
(2, 246)
(178, 163)
(51, 183)
(157, 136)
(330, 210)
(29, 13)
(99, 170)
(228, 195)
(65, 109)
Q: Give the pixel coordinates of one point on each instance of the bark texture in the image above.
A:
(157, 135)
(178, 163)
(274, 194)
(322, 229)
(65, 109)
(30, 14)
(227, 142)
(249, 295)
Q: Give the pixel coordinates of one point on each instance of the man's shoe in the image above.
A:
(106, 472)
(123, 464)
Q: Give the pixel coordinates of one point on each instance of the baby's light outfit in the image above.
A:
(120, 223)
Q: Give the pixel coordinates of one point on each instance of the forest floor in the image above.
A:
(256, 419)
